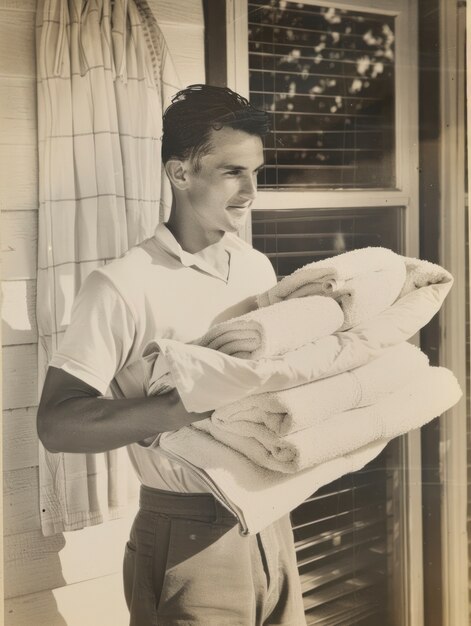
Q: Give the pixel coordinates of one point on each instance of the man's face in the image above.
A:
(222, 190)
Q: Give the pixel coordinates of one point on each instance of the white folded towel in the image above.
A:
(256, 496)
(208, 379)
(426, 396)
(276, 329)
(284, 412)
(364, 282)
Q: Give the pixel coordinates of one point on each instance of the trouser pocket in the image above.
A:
(144, 566)
(129, 566)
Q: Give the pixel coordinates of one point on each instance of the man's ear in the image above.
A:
(177, 173)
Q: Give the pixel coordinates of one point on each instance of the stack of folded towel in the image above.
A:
(209, 379)
(300, 399)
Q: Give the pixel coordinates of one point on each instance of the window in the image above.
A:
(340, 80)
(327, 77)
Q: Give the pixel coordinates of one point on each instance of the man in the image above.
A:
(185, 562)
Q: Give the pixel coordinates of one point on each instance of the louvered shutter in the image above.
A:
(342, 532)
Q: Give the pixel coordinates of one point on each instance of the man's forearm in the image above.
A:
(95, 424)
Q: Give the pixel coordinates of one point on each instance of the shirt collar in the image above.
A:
(166, 239)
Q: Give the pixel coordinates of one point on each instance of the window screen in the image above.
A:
(327, 77)
(343, 531)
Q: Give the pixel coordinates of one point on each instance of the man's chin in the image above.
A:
(236, 222)
(237, 225)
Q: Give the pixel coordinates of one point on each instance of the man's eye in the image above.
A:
(233, 172)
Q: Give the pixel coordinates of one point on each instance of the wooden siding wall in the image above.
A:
(75, 578)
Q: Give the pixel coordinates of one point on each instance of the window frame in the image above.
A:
(407, 579)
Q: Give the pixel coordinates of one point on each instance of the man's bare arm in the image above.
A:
(72, 417)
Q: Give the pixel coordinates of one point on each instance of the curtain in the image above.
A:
(103, 77)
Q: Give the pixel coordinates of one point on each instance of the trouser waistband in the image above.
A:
(201, 506)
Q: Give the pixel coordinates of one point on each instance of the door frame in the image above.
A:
(453, 425)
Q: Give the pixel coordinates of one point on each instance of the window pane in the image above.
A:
(327, 77)
(293, 237)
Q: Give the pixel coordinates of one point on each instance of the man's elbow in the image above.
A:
(66, 412)
(47, 430)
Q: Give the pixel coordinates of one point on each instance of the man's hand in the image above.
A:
(73, 417)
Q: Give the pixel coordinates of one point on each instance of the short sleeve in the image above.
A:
(269, 275)
(99, 338)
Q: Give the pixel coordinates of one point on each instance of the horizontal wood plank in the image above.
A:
(97, 602)
(19, 312)
(35, 563)
(20, 440)
(19, 244)
(18, 178)
(182, 12)
(18, 111)
(186, 46)
(19, 5)
(20, 376)
(21, 501)
(17, 43)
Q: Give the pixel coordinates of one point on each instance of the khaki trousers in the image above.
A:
(186, 564)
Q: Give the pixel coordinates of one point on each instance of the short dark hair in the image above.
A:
(199, 109)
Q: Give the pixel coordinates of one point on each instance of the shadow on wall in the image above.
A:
(16, 615)
(32, 569)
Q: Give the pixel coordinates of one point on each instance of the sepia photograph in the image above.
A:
(235, 312)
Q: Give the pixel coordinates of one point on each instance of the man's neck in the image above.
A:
(189, 233)
(192, 238)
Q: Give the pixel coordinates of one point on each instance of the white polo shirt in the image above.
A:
(156, 290)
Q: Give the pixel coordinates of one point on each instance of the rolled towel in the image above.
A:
(364, 282)
(276, 329)
(421, 274)
(423, 398)
(255, 495)
(284, 412)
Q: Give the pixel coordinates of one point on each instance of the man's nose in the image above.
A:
(249, 187)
